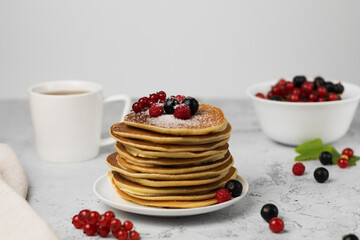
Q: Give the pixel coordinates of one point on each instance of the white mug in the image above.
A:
(67, 118)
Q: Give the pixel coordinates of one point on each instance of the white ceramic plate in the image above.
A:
(105, 191)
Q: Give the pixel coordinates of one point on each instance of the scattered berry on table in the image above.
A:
(348, 152)
(92, 217)
(134, 235)
(103, 231)
(89, 229)
(192, 103)
(343, 162)
(109, 214)
(136, 107)
(156, 110)
(76, 222)
(182, 111)
(350, 237)
(128, 225)
(235, 187)
(276, 225)
(223, 195)
(122, 234)
(298, 169)
(115, 224)
(321, 175)
(83, 215)
(325, 158)
(103, 220)
(269, 211)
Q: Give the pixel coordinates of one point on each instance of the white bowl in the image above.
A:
(293, 123)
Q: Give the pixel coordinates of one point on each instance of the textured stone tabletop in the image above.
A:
(310, 210)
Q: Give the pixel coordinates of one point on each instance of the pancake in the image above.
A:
(166, 161)
(136, 188)
(166, 204)
(123, 130)
(208, 119)
(172, 170)
(169, 147)
(156, 154)
(165, 180)
(200, 196)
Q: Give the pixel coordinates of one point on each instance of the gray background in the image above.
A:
(194, 47)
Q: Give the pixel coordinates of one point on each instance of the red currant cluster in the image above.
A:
(301, 90)
(91, 222)
(146, 102)
(346, 154)
(270, 214)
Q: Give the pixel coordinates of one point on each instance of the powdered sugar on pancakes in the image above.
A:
(206, 116)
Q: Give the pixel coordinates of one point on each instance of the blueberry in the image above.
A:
(350, 237)
(235, 187)
(276, 98)
(338, 88)
(325, 158)
(169, 105)
(298, 81)
(321, 174)
(192, 103)
(318, 82)
(269, 211)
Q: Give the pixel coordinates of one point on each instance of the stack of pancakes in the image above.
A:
(173, 163)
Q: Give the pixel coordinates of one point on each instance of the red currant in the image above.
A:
(348, 152)
(343, 162)
(289, 87)
(259, 95)
(333, 97)
(296, 91)
(92, 217)
(75, 221)
(298, 169)
(321, 91)
(270, 95)
(162, 96)
(115, 233)
(109, 214)
(134, 235)
(90, 229)
(307, 88)
(294, 97)
(313, 97)
(281, 82)
(180, 98)
(83, 215)
(276, 90)
(156, 110)
(276, 225)
(136, 107)
(103, 231)
(115, 224)
(104, 220)
(128, 225)
(322, 99)
(150, 103)
(154, 97)
(143, 102)
(122, 235)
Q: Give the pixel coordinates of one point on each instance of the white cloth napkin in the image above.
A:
(17, 219)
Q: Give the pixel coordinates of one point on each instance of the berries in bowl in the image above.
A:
(294, 115)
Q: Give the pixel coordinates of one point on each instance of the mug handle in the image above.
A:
(116, 98)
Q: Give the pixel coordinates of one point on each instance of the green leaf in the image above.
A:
(313, 154)
(352, 161)
(309, 146)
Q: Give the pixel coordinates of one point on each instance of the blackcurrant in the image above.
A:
(234, 187)
(339, 88)
(299, 80)
(318, 82)
(350, 237)
(330, 87)
(192, 103)
(276, 98)
(321, 174)
(169, 105)
(325, 158)
(269, 211)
